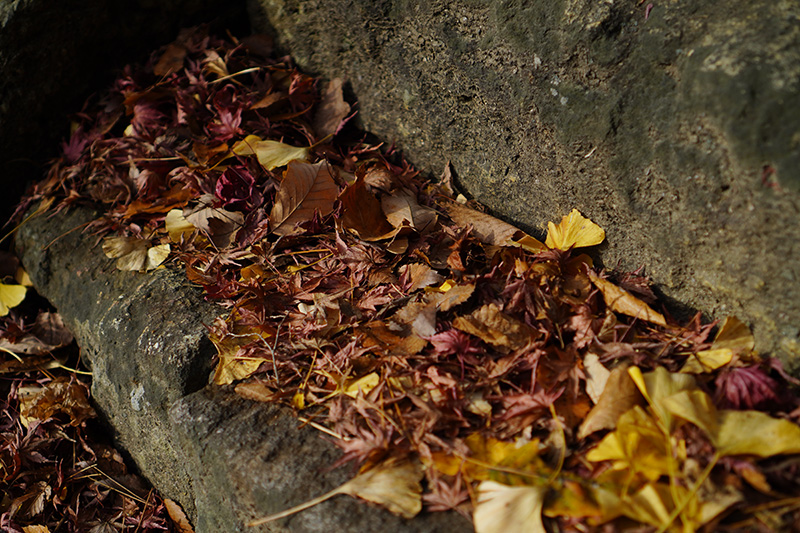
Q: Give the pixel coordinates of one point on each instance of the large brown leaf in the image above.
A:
(362, 213)
(305, 188)
(402, 209)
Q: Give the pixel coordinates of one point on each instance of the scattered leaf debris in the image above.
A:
(459, 362)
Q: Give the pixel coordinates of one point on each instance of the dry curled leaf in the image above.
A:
(332, 110)
(402, 209)
(623, 302)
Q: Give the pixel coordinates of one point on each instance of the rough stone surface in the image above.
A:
(225, 459)
(656, 123)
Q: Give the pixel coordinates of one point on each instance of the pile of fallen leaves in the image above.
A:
(58, 469)
(459, 362)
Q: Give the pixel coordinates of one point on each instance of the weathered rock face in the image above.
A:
(656, 121)
(225, 459)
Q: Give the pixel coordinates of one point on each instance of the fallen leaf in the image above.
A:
(402, 209)
(637, 445)
(362, 385)
(135, 254)
(11, 296)
(574, 231)
(35, 529)
(178, 517)
(495, 327)
(362, 213)
(393, 484)
(177, 226)
(707, 361)
(619, 396)
(486, 228)
(305, 189)
(503, 509)
(218, 225)
(453, 296)
(596, 376)
(660, 384)
(331, 110)
(621, 301)
(755, 433)
(60, 396)
(270, 154)
(419, 275)
(170, 61)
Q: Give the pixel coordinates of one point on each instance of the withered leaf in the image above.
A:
(332, 110)
(58, 396)
(420, 275)
(621, 301)
(394, 484)
(270, 154)
(171, 60)
(486, 228)
(305, 189)
(495, 327)
(362, 213)
(453, 296)
(217, 224)
(619, 395)
(178, 517)
(402, 209)
(503, 509)
(135, 254)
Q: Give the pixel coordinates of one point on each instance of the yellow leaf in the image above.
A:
(232, 367)
(394, 484)
(574, 231)
(755, 433)
(657, 385)
(527, 243)
(621, 301)
(694, 406)
(11, 296)
(299, 400)
(270, 154)
(363, 384)
(637, 445)
(707, 361)
(503, 509)
(35, 529)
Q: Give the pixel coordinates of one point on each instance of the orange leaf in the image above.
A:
(305, 188)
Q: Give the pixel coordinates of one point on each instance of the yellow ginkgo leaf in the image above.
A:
(11, 296)
(394, 484)
(271, 154)
(502, 509)
(707, 361)
(755, 433)
(574, 231)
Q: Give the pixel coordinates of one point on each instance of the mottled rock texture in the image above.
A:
(225, 459)
(657, 121)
